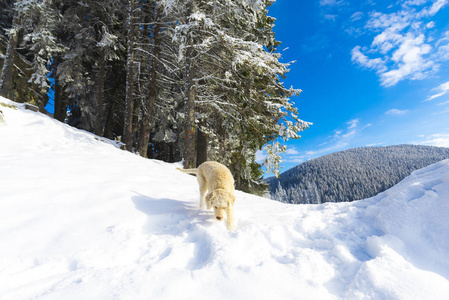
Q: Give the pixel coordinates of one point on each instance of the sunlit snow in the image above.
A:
(82, 219)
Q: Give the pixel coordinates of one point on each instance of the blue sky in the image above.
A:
(373, 73)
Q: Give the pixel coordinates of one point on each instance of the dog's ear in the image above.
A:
(232, 199)
(209, 196)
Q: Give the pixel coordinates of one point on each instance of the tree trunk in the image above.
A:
(59, 111)
(189, 144)
(152, 86)
(109, 120)
(61, 101)
(128, 126)
(201, 150)
(189, 131)
(99, 121)
(6, 79)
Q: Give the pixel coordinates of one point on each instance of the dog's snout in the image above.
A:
(219, 218)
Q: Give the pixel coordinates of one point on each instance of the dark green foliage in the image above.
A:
(182, 79)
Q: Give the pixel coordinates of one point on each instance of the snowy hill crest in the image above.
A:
(81, 219)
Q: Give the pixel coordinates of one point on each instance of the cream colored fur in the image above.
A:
(216, 190)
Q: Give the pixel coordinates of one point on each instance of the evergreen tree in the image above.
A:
(6, 77)
(239, 102)
(190, 79)
(23, 75)
(90, 33)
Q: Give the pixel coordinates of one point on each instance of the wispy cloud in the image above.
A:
(340, 145)
(356, 16)
(434, 8)
(430, 25)
(339, 134)
(439, 140)
(441, 90)
(292, 151)
(377, 64)
(349, 134)
(402, 48)
(331, 9)
(353, 123)
(442, 112)
(292, 155)
(329, 2)
(374, 144)
(341, 139)
(396, 112)
(330, 17)
(443, 47)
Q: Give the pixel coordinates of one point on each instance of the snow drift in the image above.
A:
(81, 219)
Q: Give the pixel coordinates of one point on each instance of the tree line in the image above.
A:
(353, 174)
(173, 79)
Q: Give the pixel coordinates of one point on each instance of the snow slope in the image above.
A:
(81, 219)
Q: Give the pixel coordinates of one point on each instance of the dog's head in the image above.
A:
(220, 200)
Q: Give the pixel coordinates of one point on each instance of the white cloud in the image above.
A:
(408, 59)
(341, 139)
(296, 160)
(441, 112)
(415, 2)
(396, 21)
(330, 17)
(374, 144)
(442, 54)
(323, 151)
(330, 9)
(434, 8)
(436, 96)
(386, 41)
(340, 135)
(396, 112)
(430, 25)
(349, 134)
(329, 2)
(356, 16)
(353, 123)
(292, 155)
(402, 47)
(442, 89)
(311, 152)
(439, 140)
(261, 155)
(371, 63)
(292, 151)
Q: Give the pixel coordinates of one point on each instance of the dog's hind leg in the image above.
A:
(203, 189)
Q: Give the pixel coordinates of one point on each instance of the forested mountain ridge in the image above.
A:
(353, 174)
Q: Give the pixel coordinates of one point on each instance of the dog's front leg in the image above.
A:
(208, 200)
(203, 201)
(230, 222)
(203, 190)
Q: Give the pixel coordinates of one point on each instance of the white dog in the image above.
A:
(217, 180)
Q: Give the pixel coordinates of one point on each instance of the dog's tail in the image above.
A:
(188, 171)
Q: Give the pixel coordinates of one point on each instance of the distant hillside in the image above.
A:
(353, 174)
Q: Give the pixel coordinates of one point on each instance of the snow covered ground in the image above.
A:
(81, 219)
